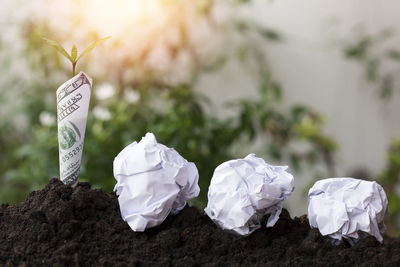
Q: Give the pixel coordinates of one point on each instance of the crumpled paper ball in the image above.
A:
(340, 207)
(242, 191)
(152, 181)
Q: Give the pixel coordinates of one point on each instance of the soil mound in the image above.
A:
(63, 226)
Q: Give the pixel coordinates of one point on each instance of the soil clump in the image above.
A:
(64, 226)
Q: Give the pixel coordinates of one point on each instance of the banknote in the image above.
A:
(73, 98)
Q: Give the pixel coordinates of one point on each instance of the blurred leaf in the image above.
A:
(270, 34)
(298, 112)
(327, 143)
(59, 48)
(359, 49)
(218, 63)
(270, 90)
(307, 128)
(393, 54)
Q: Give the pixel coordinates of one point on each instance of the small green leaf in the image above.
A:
(93, 45)
(74, 52)
(59, 48)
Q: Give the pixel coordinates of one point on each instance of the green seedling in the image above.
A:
(74, 51)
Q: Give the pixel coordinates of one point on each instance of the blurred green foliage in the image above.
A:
(390, 180)
(175, 112)
(371, 51)
(380, 63)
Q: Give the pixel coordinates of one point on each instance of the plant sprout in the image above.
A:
(74, 51)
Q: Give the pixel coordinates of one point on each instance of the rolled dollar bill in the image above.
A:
(73, 99)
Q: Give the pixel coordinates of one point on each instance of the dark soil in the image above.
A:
(62, 226)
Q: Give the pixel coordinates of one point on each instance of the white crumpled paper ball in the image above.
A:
(152, 181)
(242, 191)
(339, 207)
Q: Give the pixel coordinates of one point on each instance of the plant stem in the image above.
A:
(73, 69)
